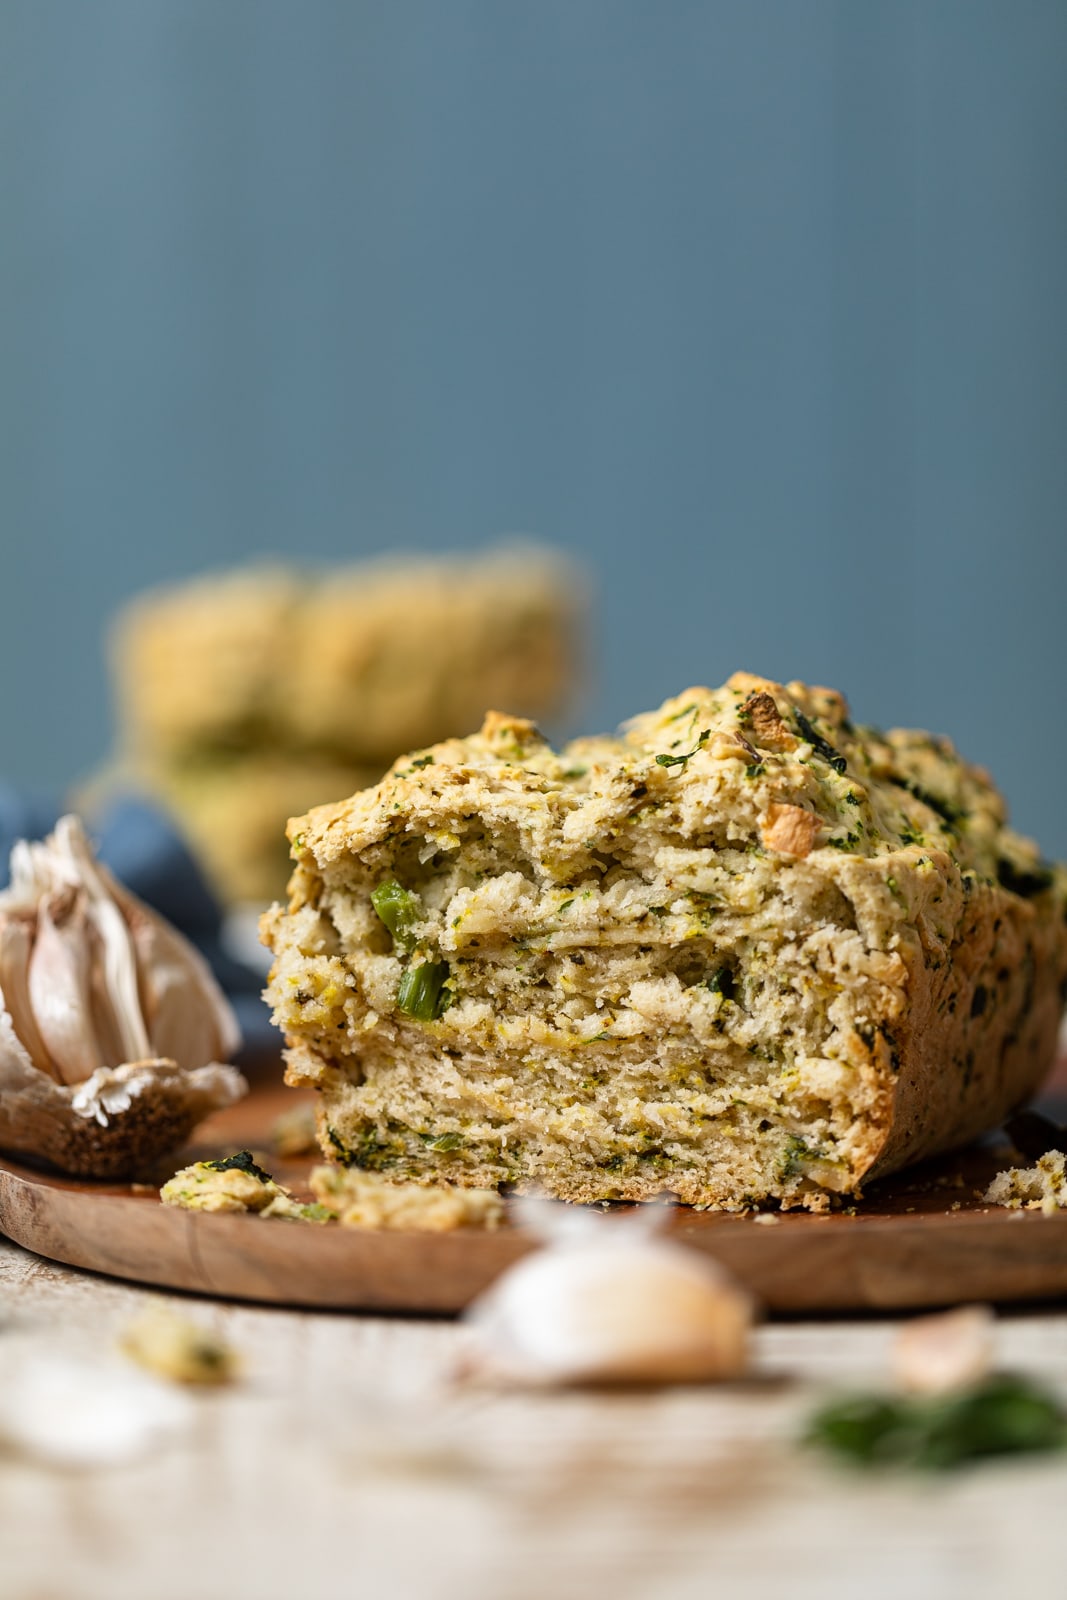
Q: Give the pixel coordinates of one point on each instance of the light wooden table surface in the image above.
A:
(349, 1463)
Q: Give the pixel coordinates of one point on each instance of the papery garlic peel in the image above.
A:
(610, 1301)
(112, 1027)
(68, 1410)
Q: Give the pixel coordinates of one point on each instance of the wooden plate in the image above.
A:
(920, 1239)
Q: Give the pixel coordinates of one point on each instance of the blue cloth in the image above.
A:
(142, 847)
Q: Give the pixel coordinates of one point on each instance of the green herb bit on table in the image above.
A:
(1002, 1415)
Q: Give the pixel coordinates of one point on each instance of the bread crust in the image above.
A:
(745, 952)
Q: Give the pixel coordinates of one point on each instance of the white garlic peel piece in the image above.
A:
(67, 1411)
(113, 1031)
(610, 1301)
(951, 1350)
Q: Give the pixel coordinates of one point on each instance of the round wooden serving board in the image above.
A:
(920, 1239)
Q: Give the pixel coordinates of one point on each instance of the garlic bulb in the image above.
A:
(609, 1301)
(112, 1027)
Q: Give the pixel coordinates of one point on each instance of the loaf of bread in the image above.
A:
(358, 664)
(746, 952)
(247, 696)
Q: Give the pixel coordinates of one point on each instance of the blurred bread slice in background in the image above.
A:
(246, 697)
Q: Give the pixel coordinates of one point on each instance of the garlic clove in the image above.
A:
(612, 1306)
(187, 1017)
(59, 986)
(936, 1354)
(15, 1062)
(16, 946)
(119, 961)
(27, 882)
(104, 1018)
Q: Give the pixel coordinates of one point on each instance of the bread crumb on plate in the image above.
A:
(367, 1200)
(354, 1199)
(1042, 1187)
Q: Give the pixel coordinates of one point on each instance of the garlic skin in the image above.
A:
(609, 1301)
(112, 1027)
(64, 1410)
(947, 1351)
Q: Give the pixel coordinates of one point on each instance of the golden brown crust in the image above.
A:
(681, 959)
(966, 1063)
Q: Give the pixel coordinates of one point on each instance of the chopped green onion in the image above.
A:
(445, 1142)
(399, 909)
(722, 982)
(422, 992)
(820, 745)
(683, 761)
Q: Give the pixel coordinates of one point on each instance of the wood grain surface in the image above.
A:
(350, 1461)
(923, 1238)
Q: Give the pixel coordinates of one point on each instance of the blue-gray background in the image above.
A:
(760, 308)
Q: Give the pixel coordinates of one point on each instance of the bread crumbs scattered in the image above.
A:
(1042, 1187)
(177, 1348)
(236, 1183)
(350, 1197)
(768, 1218)
(367, 1200)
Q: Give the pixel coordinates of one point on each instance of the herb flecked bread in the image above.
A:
(354, 665)
(744, 952)
(249, 695)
